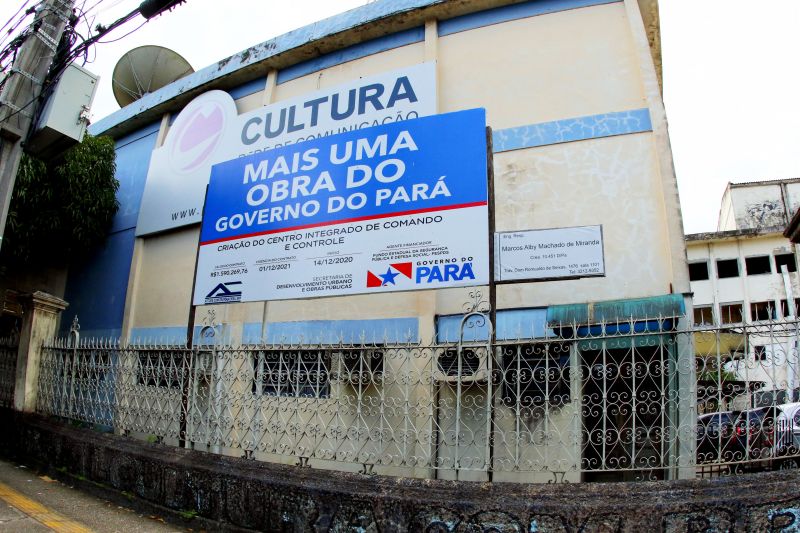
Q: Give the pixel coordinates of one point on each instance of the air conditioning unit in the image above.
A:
(360, 366)
(473, 361)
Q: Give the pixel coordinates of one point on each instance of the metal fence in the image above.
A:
(8, 369)
(644, 399)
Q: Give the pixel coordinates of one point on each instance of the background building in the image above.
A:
(745, 276)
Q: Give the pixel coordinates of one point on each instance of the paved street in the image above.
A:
(32, 503)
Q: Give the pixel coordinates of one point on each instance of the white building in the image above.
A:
(744, 276)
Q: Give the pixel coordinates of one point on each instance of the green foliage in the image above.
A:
(188, 515)
(63, 209)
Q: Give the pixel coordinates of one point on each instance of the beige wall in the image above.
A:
(563, 69)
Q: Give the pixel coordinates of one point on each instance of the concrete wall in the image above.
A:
(759, 204)
(225, 493)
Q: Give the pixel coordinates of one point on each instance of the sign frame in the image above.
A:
(498, 257)
(456, 245)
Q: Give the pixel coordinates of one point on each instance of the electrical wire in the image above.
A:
(15, 14)
(67, 50)
(123, 36)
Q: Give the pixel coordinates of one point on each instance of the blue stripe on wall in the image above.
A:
(512, 324)
(375, 331)
(98, 285)
(96, 288)
(176, 335)
(357, 51)
(136, 135)
(251, 87)
(165, 336)
(573, 129)
(133, 162)
(513, 12)
(251, 333)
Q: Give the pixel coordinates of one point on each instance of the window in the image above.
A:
(160, 368)
(727, 268)
(361, 366)
(293, 373)
(785, 308)
(759, 264)
(470, 362)
(785, 259)
(703, 314)
(731, 313)
(760, 353)
(536, 374)
(698, 271)
(762, 311)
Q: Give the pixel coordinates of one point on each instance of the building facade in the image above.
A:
(744, 276)
(572, 95)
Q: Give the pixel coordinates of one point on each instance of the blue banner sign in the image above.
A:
(408, 198)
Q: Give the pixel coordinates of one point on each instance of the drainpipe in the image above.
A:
(791, 371)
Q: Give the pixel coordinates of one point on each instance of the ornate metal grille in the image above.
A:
(635, 400)
(8, 369)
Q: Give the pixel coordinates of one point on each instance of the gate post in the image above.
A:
(40, 317)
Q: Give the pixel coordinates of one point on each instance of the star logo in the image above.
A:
(392, 271)
(388, 277)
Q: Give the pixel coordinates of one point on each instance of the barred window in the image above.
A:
(292, 373)
(703, 315)
(536, 374)
(760, 353)
(160, 368)
(762, 311)
(785, 311)
(731, 313)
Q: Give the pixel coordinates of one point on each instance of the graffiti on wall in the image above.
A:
(764, 214)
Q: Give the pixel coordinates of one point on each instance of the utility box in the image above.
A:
(65, 115)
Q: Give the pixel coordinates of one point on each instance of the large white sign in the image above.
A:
(209, 130)
(397, 207)
(549, 253)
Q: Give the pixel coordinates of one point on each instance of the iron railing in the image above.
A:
(9, 347)
(626, 400)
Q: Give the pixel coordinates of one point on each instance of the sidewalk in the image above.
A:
(33, 503)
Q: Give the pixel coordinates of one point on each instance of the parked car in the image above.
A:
(770, 435)
(717, 439)
(787, 441)
(756, 431)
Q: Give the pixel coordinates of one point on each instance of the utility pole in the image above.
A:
(20, 98)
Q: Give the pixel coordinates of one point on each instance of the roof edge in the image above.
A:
(371, 21)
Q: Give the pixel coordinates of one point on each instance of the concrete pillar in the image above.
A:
(40, 318)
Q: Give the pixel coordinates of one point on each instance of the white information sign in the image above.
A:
(575, 252)
(209, 131)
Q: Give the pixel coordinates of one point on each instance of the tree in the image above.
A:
(60, 210)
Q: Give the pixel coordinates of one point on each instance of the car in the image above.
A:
(717, 440)
(770, 435)
(756, 431)
(787, 441)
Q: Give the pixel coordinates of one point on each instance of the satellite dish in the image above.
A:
(146, 69)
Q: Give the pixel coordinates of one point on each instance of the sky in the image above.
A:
(730, 76)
